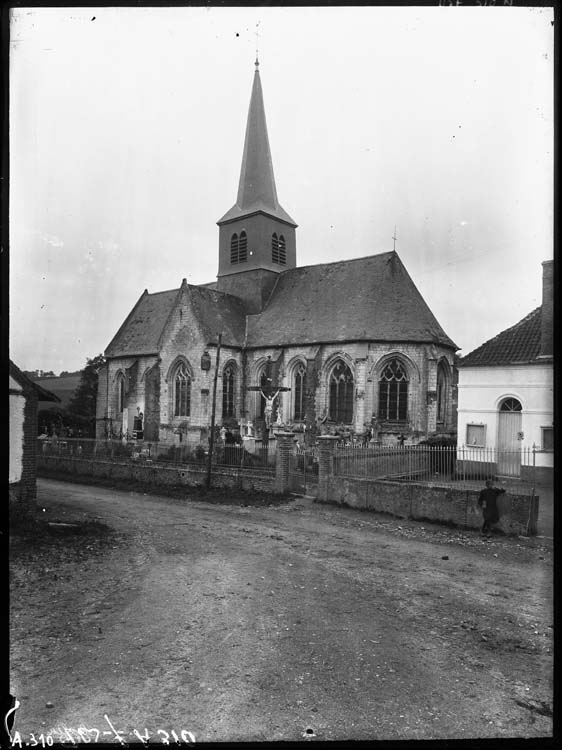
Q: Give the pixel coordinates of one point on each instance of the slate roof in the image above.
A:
(519, 344)
(215, 311)
(365, 299)
(141, 331)
(256, 188)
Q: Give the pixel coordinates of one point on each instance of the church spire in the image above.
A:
(256, 188)
(257, 236)
(257, 183)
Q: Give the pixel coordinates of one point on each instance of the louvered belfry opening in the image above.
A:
(239, 248)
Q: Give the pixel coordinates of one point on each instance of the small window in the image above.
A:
(274, 248)
(547, 443)
(476, 435)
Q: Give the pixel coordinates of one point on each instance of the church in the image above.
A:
(352, 345)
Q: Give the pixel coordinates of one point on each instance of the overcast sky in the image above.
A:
(126, 135)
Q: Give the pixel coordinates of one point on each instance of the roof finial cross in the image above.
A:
(394, 237)
(257, 43)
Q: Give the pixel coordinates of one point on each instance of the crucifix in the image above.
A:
(269, 393)
(394, 237)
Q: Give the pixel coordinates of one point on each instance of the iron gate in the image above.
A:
(303, 470)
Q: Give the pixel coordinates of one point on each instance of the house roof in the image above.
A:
(256, 188)
(371, 298)
(215, 311)
(27, 384)
(519, 344)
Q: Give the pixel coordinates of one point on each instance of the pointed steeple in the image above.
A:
(257, 239)
(256, 189)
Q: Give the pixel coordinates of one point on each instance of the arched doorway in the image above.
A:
(509, 427)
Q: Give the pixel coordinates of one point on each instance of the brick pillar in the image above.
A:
(327, 445)
(285, 444)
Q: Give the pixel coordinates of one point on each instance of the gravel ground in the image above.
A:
(292, 621)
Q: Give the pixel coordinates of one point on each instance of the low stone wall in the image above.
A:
(518, 513)
(537, 474)
(157, 475)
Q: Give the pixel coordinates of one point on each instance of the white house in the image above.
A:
(505, 396)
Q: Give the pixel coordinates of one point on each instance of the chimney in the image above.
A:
(547, 305)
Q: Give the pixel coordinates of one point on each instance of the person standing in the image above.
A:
(488, 501)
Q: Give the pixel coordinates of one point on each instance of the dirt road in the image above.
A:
(280, 623)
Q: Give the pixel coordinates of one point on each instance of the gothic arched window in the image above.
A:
(393, 392)
(299, 375)
(341, 393)
(228, 382)
(442, 380)
(182, 391)
(120, 393)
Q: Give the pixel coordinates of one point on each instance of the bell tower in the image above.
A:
(256, 236)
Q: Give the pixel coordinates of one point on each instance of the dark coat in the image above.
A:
(489, 496)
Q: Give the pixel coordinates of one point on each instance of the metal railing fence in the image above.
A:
(176, 455)
(464, 466)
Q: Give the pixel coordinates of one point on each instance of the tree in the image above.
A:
(82, 407)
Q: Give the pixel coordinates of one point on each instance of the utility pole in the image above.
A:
(214, 405)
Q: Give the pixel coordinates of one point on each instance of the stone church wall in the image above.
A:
(366, 361)
(150, 386)
(133, 370)
(184, 342)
